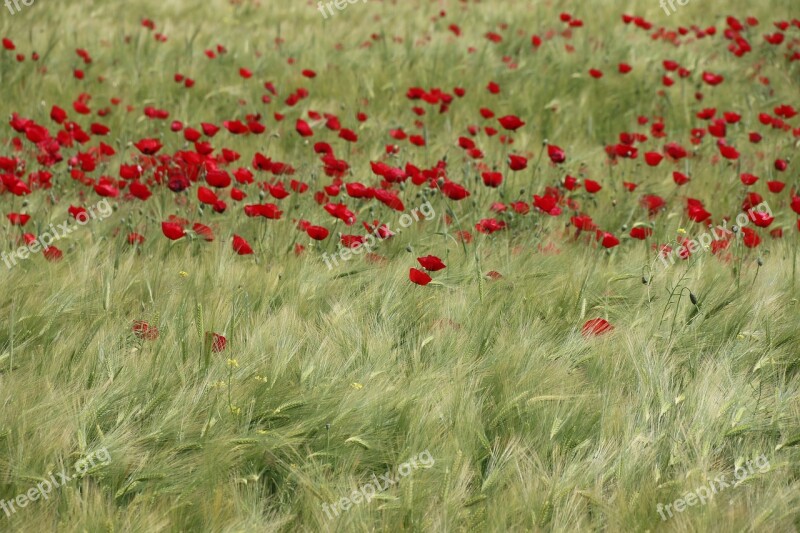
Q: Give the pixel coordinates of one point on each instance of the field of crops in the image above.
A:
(399, 266)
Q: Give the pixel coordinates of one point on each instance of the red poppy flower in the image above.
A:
(431, 263)
(748, 179)
(348, 135)
(653, 158)
(596, 326)
(492, 179)
(353, 241)
(241, 246)
(517, 162)
(206, 196)
(775, 186)
(106, 190)
(139, 190)
(218, 178)
(341, 212)
(53, 254)
(609, 240)
(216, 341)
(419, 277)
(729, 152)
(145, 331)
(547, 203)
(680, 178)
(135, 238)
(203, 231)
(583, 223)
(454, 191)
(172, 231)
(696, 211)
(571, 183)
(712, 79)
(591, 186)
(318, 233)
(148, 146)
(270, 211)
(486, 226)
(303, 128)
(760, 219)
(653, 203)
(641, 232)
(18, 219)
(556, 154)
(750, 238)
(511, 122)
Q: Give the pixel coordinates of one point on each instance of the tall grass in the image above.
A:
(330, 376)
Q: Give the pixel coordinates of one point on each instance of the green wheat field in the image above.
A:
(547, 379)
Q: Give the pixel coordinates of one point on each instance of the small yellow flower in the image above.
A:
(681, 231)
(740, 336)
(262, 431)
(357, 386)
(233, 363)
(183, 274)
(262, 379)
(236, 410)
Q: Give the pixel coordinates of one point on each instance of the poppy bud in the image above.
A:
(760, 262)
(735, 229)
(693, 298)
(409, 249)
(644, 280)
